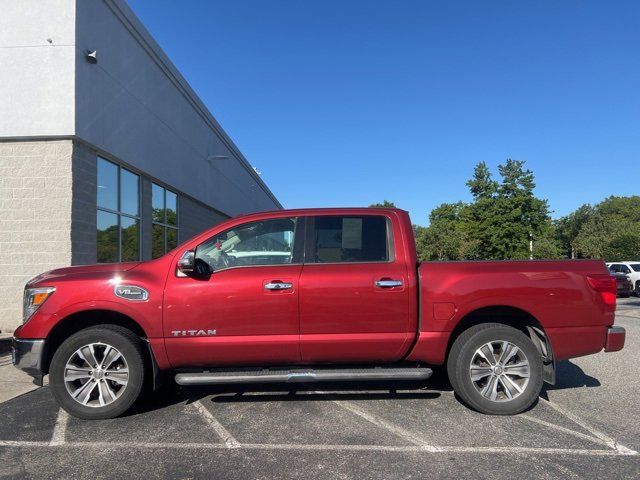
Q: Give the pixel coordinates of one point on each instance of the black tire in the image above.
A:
(624, 295)
(463, 352)
(127, 343)
(638, 288)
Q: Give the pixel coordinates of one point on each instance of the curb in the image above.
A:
(5, 345)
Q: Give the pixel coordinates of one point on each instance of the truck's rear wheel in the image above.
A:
(495, 369)
(98, 372)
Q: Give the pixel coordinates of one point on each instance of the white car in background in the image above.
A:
(630, 269)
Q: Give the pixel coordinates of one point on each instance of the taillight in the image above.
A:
(606, 286)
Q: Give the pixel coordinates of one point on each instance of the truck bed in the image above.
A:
(555, 294)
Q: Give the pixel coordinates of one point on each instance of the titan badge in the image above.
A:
(193, 333)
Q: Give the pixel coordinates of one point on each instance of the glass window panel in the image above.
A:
(268, 242)
(157, 240)
(129, 192)
(157, 203)
(351, 239)
(172, 208)
(107, 184)
(130, 239)
(172, 238)
(107, 237)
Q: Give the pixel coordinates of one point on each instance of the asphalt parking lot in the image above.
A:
(586, 426)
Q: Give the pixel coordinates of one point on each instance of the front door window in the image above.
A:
(267, 242)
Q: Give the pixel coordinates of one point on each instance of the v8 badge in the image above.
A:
(131, 292)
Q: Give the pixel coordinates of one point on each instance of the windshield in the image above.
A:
(635, 267)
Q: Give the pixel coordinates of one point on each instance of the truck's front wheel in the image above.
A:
(98, 372)
(495, 369)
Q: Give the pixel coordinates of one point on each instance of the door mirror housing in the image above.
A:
(186, 264)
(190, 266)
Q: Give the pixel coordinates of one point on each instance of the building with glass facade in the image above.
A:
(106, 153)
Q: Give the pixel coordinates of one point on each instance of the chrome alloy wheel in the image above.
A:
(96, 375)
(499, 371)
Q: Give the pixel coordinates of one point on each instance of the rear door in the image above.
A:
(354, 300)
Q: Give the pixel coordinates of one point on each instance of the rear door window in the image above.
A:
(350, 239)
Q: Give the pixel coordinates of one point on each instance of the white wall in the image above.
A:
(37, 63)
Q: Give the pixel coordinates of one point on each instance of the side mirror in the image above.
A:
(189, 265)
(186, 264)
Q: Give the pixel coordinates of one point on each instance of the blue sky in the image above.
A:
(347, 103)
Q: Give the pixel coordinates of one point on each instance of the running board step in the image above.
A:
(227, 377)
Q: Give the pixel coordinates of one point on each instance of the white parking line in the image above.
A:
(596, 436)
(222, 432)
(583, 436)
(60, 429)
(434, 449)
(396, 430)
(610, 442)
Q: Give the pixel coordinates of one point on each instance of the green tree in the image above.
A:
(446, 237)
(418, 232)
(611, 230)
(503, 223)
(498, 224)
(568, 227)
(625, 246)
(482, 184)
(384, 204)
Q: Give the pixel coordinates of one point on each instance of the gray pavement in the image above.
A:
(587, 426)
(13, 382)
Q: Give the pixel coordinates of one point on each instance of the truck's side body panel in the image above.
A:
(555, 293)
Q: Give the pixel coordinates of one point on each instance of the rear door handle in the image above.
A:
(388, 283)
(278, 286)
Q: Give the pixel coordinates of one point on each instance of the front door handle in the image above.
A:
(278, 286)
(388, 283)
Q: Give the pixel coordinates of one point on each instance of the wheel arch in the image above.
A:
(514, 317)
(80, 320)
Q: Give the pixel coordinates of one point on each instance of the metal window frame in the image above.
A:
(165, 226)
(119, 213)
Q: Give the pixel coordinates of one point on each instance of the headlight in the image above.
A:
(33, 299)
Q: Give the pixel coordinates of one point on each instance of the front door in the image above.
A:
(354, 300)
(246, 312)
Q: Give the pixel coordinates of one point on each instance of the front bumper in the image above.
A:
(28, 356)
(615, 339)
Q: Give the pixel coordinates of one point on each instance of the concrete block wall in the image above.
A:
(194, 217)
(83, 211)
(35, 217)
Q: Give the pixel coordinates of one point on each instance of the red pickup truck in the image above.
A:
(311, 295)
